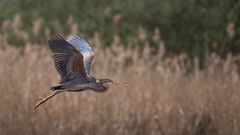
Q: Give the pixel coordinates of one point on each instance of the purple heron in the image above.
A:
(72, 59)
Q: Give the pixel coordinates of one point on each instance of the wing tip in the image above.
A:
(55, 37)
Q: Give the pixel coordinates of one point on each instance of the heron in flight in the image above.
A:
(72, 59)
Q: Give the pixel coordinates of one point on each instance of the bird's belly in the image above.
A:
(77, 87)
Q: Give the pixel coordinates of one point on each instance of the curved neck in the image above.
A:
(102, 86)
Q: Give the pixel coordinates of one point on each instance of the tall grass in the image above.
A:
(166, 95)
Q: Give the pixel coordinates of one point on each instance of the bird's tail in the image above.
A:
(53, 88)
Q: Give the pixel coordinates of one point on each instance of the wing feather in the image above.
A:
(84, 48)
(68, 61)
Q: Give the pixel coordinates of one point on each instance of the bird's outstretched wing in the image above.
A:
(84, 48)
(67, 59)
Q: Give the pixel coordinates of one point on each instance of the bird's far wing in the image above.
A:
(68, 61)
(84, 48)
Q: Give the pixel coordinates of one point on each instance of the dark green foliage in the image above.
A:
(191, 26)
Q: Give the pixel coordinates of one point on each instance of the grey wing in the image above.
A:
(68, 61)
(84, 48)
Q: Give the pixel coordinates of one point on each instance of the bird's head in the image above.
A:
(103, 83)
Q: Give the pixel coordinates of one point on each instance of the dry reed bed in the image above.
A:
(162, 96)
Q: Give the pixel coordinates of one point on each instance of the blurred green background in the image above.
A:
(186, 26)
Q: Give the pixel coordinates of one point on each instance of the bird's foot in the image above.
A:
(42, 100)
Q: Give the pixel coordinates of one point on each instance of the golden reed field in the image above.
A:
(166, 95)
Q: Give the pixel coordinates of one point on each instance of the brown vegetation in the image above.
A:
(165, 95)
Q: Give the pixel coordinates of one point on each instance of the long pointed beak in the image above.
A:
(119, 83)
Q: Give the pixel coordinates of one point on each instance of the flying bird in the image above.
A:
(72, 59)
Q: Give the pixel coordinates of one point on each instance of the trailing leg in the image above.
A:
(46, 98)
